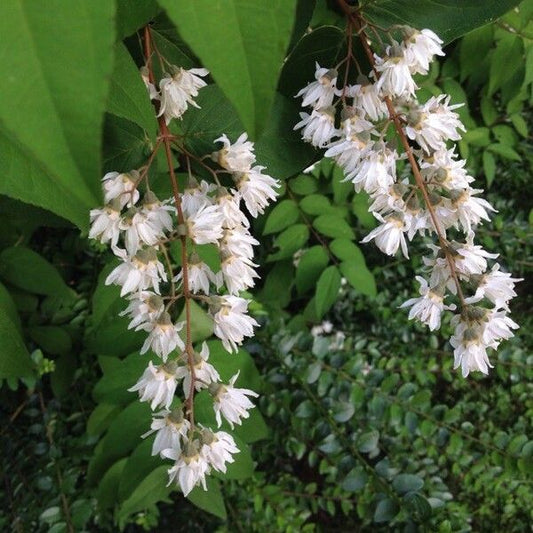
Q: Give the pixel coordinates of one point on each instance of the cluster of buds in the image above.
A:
(139, 231)
(439, 200)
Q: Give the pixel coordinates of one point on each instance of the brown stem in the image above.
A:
(355, 18)
(166, 138)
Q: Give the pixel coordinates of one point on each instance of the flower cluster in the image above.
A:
(138, 228)
(440, 199)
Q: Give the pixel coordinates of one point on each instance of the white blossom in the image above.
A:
(236, 157)
(204, 372)
(428, 307)
(470, 209)
(190, 468)
(395, 77)
(105, 223)
(140, 272)
(229, 207)
(205, 225)
(231, 322)
(496, 286)
(171, 429)
(231, 403)
(420, 47)
(163, 336)
(390, 235)
(376, 171)
(238, 273)
(238, 242)
(178, 91)
(218, 449)
(318, 127)
(122, 187)
(157, 385)
(196, 195)
(321, 92)
(200, 276)
(144, 306)
(256, 189)
(367, 99)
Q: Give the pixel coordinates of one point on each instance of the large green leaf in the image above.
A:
(132, 14)
(128, 97)
(15, 360)
(448, 18)
(57, 57)
(242, 43)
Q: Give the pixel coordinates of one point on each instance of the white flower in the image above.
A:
(376, 171)
(205, 225)
(105, 223)
(471, 258)
(428, 308)
(200, 275)
(178, 91)
(394, 73)
(121, 186)
(318, 127)
(470, 210)
(150, 87)
(138, 230)
(496, 286)
(157, 385)
(190, 469)
(231, 403)
(238, 273)
(204, 372)
(144, 306)
(171, 428)
(229, 207)
(158, 213)
(237, 241)
(350, 149)
(256, 189)
(163, 337)
(420, 47)
(232, 323)
(390, 235)
(367, 99)
(237, 157)
(195, 195)
(321, 92)
(497, 328)
(138, 273)
(217, 448)
(433, 123)
(443, 168)
(470, 351)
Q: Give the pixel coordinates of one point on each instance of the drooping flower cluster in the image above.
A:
(440, 199)
(138, 227)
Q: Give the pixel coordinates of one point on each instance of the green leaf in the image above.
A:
(139, 465)
(506, 60)
(316, 204)
(108, 487)
(123, 435)
(355, 480)
(333, 226)
(284, 214)
(52, 339)
(385, 511)
(406, 483)
(309, 268)
(59, 170)
(303, 184)
(28, 270)
(520, 124)
(474, 45)
(280, 147)
(347, 250)
(15, 359)
(170, 45)
(359, 277)
(368, 442)
(505, 151)
(102, 415)
(201, 323)
(126, 145)
(417, 506)
(128, 97)
(327, 290)
(243, 44)
(132, 15)
(152, 489)
(253, 428)
(360, 210)
(211, 500)
(243, 464)
(9, 308)
(448, 18)
(291, 240)
(114, 384)
(489, 167)
(215, 117)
